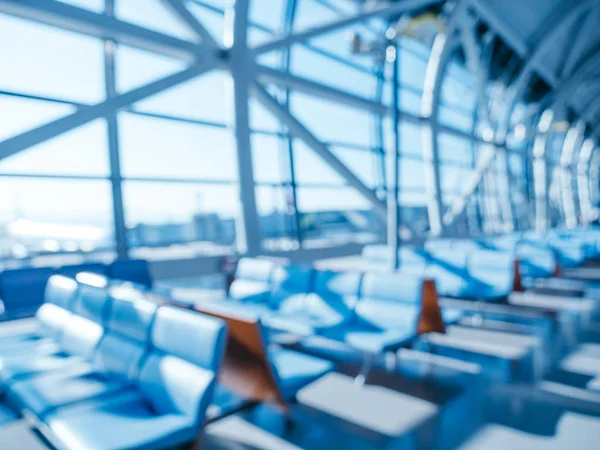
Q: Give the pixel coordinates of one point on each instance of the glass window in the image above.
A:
(455, 149)
(310, 167)
(410, 101)
(161, 214)
(412, 69)
(364, 163)
(307, 63)
(269, 14)
(154, 15)
(333, 122)
(211, 18)
(83, 151)
(50, 216)
(270, 159)
(26, 114)
(158, 148)
(136, 68)
(202, 98)
(50, 62)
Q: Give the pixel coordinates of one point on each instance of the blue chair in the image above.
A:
(252, 282)
(115, 364)
(50, 319)
(386, 314)
(492, 274)
(78, 338)
(329, 306)
(23, 291)
(448, 268)
(134, 270)
(173, 389)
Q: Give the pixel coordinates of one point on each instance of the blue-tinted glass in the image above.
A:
(320, 68)
(269, 14)
(363, 163)
(270, 159)
(412, 69)
(26, 114)
(82, 151)
(148, 202)
(312, 169)
(331, 121)
(50, 62)
(202, 98)
(137, 67)
(452, 148)
(212, 20)
(154, 15)
(168, 149)
(410, 102)
(54, 215)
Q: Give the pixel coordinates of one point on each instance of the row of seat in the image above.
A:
(458, 271)
(111, 366)
(22, 290)
(104, 372)
(373, 312)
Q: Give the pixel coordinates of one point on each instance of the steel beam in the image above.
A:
(442, 50)
(180, 11)
(102, 26)
(572, 142)
(296, 128)
(85, 115)
(583, 180)
(116, 178)
(291, 81)
(540, 170)
(248, 232)
(386, 10)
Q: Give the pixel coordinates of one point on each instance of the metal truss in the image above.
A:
(250, 78)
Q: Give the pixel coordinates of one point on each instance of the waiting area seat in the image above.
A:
(123, 372)
(22, 290)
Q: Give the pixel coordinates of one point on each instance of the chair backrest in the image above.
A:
(413, 260)
(73, 270)
(85, 327)
(179, 373)
(24, 289)
(134, 270)
(535, 261)
(252, 279)
(290, 285)
(571, 253)
(448, 267)
(390, 300)
(375, 257)
(493, 268)
(126, 339)
(53, 315)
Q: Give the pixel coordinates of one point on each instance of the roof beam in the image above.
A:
(87, 114)
(178, 8)
(386, 10)
(290, 81)
(297, 129)
(79, 20)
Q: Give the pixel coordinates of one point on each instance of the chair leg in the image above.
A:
(361, 378)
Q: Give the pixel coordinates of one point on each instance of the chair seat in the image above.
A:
(18, 367)
(14, 348)
(302, 322)
(451, 315)
(372, 340)
(124, 423)
(295, 370)
(43, 394)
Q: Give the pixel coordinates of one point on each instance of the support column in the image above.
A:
(441, 51)
(116, 178)
(248, 233)
(540, 170)
(393, 202)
